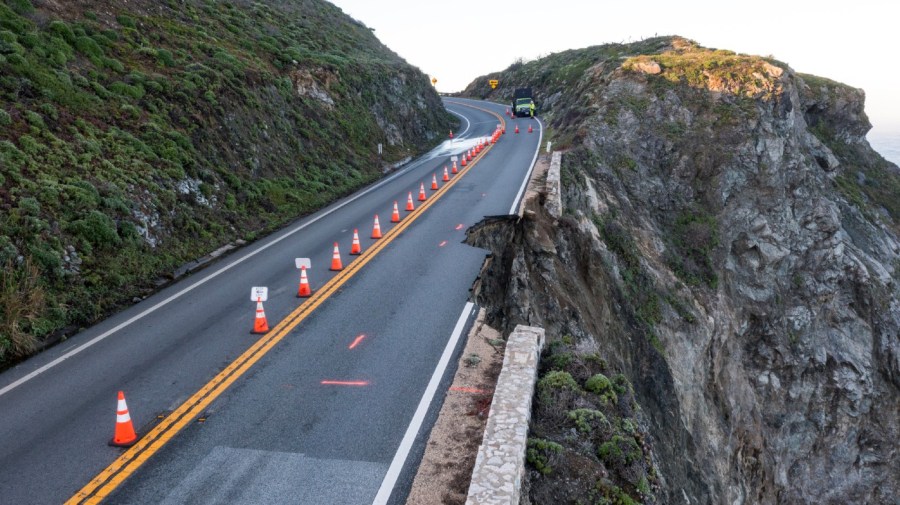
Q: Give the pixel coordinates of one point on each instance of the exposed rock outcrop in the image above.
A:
(722, 251)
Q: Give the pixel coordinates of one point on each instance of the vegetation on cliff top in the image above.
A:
(137, 136)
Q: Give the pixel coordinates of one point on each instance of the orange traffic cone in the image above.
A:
(454, 170)
(124, 435)
(469, 155)
(451, 134)
(260, 325)
(355, 248)
(395, 217)
(336, 259)
(462, 161)
(446, 176)
(376, 229)
(409, 203)
(434, 185)
(304, 290)
(529, 129)
(517, 129)
(422, 192)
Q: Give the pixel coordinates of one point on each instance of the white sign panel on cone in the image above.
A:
(261, 294)
(302, 262)
(454, 158)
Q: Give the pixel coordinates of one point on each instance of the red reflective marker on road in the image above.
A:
(442, 244)
(459, 226)
(344, 383)
(356, 341)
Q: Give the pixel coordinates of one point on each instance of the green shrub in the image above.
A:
(89, 47)
(557, 380)
(30, 145)
(561, 361)
(113, 64)
(589, 420)
(21, 6)
(621, 385)
(124, 89)
(130, 110)
(541, 454)
(628, 426)
(49, 110)
(96, 229)
(62, 30)
(620, 451)
(5, 118)
(16, 60)
(643, 486)
(100, 90)
(165, 58)
(601, 385)
(126, 21)
(29, 206)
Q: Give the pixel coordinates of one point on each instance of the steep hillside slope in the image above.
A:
(135, 136)
(729, 244)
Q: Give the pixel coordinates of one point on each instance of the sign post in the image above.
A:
(259, 294)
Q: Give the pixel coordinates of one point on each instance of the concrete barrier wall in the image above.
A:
(500, 464)
(553, 202)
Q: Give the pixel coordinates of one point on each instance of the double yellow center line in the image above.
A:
(132, 459)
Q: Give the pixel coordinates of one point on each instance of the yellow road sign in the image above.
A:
(433, 81)
(493, 83)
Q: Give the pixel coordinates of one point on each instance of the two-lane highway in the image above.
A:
(332, 408)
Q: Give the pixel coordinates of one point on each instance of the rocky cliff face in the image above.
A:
(729, 243)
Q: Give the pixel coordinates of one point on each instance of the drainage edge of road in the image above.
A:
(500, 464)
(497, 474)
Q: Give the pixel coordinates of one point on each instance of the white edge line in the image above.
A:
(393, 473)
(468, 124)
(184, 291)
(514, 209)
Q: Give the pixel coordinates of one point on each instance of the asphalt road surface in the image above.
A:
(331, 406)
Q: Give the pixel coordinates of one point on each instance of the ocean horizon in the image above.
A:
(887, 144)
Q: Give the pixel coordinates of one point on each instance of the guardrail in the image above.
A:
(500, 464)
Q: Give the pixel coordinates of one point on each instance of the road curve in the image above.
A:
(324, 416)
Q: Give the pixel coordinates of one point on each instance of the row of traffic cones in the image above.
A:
(261, 325)
(125, 435)
(530, 129)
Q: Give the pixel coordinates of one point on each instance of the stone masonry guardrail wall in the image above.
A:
(553, 203)
(500, 464)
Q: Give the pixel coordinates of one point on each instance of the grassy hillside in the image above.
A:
(137, 136)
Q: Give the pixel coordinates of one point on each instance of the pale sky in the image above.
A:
(854, 42)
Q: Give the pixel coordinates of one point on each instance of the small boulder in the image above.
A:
(648, 67)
